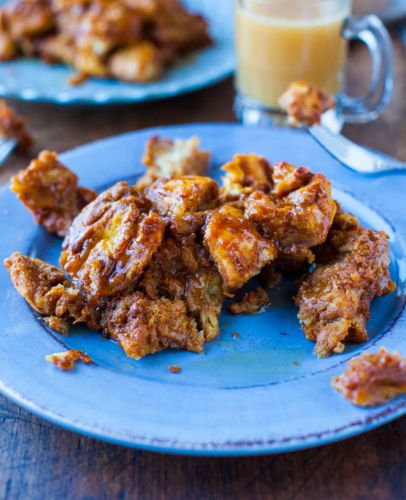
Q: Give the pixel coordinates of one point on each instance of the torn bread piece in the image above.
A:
(173, 158)
(110, 243)
(373, 379)
(297, 222)
(245, 174)
(237, 248)
(144, 326)
(305, 103)
(334, 298)
(51, 193)
(48, 292)
(182, 270)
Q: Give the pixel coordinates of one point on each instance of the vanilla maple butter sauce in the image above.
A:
(281, 41)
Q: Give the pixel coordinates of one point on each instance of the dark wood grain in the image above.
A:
(39, 460)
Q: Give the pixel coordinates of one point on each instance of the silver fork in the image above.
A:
(6, 147)
(352, 155)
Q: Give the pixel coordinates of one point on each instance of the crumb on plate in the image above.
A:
(67, 360)
(174, 369)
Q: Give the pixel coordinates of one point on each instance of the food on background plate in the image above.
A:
(151, 265)
(68, 359)
(130, 40)
(373, 379)
(305, 103)
(13, 126)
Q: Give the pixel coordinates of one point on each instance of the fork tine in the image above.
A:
(6, 147)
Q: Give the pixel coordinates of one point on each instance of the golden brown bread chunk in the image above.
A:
(288, 178)
(178, 30)
(100, 28)
(110, 243)
(146, 9)
(28, 18)
(58, 48)
(51, 192)
(46, 290)
(334, 299)
(173, 158)
(297, 222)
(87, 63)
(252, 302)
(144, 326)
(174, 198)
(305, 103)
(245, 174)
(12, 126)
(68, 359)
(182, 269)
(373, 379)
(141, 62)
(8, 49)
(105, 25)
(236, 247)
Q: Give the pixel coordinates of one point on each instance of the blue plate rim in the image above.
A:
(223, 74)
(389, 413)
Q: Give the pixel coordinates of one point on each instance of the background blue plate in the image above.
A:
(264, 392)
(32, 80)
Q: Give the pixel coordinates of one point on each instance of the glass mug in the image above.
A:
(280, 41)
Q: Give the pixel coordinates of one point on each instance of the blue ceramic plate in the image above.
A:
(263, 392)
(32, 80)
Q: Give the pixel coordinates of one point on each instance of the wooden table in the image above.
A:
(39, 460)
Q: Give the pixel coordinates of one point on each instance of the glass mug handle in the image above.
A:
(371, 31)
